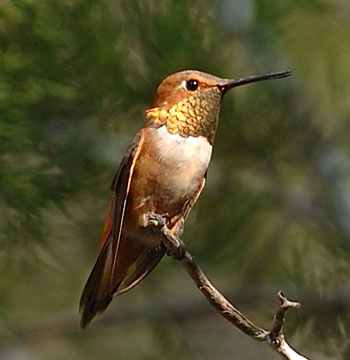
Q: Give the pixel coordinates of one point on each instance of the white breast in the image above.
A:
(191, 154)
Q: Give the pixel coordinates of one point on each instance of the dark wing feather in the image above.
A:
(100, 286)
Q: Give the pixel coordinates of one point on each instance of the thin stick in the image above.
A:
(274, 338)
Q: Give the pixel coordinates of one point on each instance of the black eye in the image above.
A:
(191, 85)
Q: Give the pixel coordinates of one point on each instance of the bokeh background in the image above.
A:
(75, 79)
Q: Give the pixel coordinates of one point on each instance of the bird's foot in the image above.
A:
(174, 246)
(157, 221)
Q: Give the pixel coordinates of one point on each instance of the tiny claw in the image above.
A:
(156, 220)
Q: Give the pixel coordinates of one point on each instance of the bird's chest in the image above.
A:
(171, 167)
(179, 162)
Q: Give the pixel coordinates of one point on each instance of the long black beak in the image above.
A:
(250, 79)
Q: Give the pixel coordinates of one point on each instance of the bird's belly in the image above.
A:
(167, 175)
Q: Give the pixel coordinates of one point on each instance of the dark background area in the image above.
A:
(75, 79)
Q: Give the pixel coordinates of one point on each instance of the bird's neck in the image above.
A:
(194, 116)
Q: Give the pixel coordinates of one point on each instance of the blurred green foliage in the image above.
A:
(75, 79)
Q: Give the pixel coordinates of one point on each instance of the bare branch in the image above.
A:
(274, 338)
(278, 320)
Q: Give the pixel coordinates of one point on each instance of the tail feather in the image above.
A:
(134, 262)
(143, 265)
(91, 308)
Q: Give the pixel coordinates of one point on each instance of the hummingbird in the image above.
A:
(162, 174)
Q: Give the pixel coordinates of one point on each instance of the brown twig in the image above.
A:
(274, 338)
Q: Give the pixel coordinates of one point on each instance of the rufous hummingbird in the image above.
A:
(162, 174)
